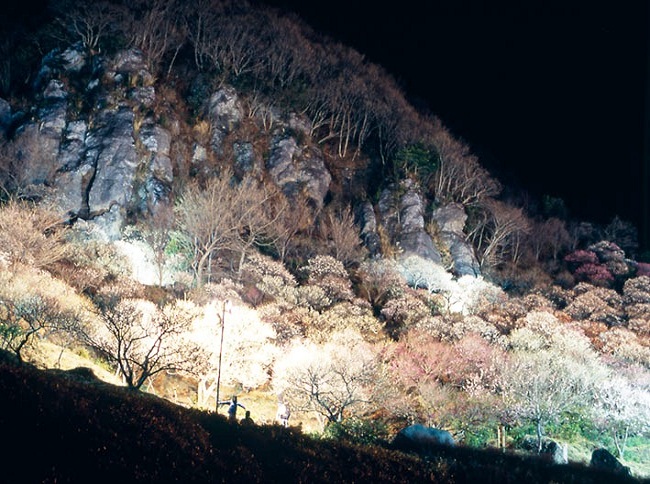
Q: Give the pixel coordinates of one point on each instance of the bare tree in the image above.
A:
(498, 232)
(329, 380)
(340, 230)
(157, 231)
(293, 217)
(26, 316)
(225, 216)
(623, 409)
(89, 22)
(460, 177)
(143, 340)
(550, 375)
(32, 234)
(157, 30)
(549, 238)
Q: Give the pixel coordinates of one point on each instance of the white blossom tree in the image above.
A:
(623, 409)
(142, 339)
(247, 353)
(549, 375)
(331, 380)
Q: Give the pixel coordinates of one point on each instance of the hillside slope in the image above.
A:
(70, 427)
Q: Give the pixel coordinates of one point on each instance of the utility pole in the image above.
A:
(224, 308)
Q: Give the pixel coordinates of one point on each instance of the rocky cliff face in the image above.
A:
(95, 145)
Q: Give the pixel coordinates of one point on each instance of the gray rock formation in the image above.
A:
(224, 113)
(421, 440)
(365, 215)
(98, 165)
(401, 211)
(602, 459)
(298, 170)
(451, 222)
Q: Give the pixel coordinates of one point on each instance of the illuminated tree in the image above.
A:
(331, 380)
(550, 373)
(225, 216)
(623, 409)
(248, 350)
(498, 232)
(142, 339)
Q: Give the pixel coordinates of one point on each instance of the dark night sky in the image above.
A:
(549, 94)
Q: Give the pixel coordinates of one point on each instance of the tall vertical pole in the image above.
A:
(223, 321)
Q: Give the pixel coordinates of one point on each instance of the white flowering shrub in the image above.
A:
(276, 287)
(625, 344)
(405, 311)
(471, 325)
(329, 274)
(312, 296)
(596, 304)
(258, 267)
(637, 290)
(464, 295)
(470, 293)
(541, 330)
(334, 380)
(421, 273)
(380, 281)
(344, 316)
(323, 266)
(641, 324)
(622, 410)
(288, 321)
(248, 350)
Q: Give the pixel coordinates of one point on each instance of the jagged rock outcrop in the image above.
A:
(451, 222)
(99, 163)
(365, 215)
(401, 210)
(225, 113)
(94, 146)
(298, 170)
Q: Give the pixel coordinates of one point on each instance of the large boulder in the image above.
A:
(552, 450)
(421, 440)
(602, 459)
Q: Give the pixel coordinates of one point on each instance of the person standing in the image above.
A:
(283, 414)
(247, 420)
(232, 408)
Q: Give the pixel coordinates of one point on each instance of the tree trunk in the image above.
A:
(539, 436)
